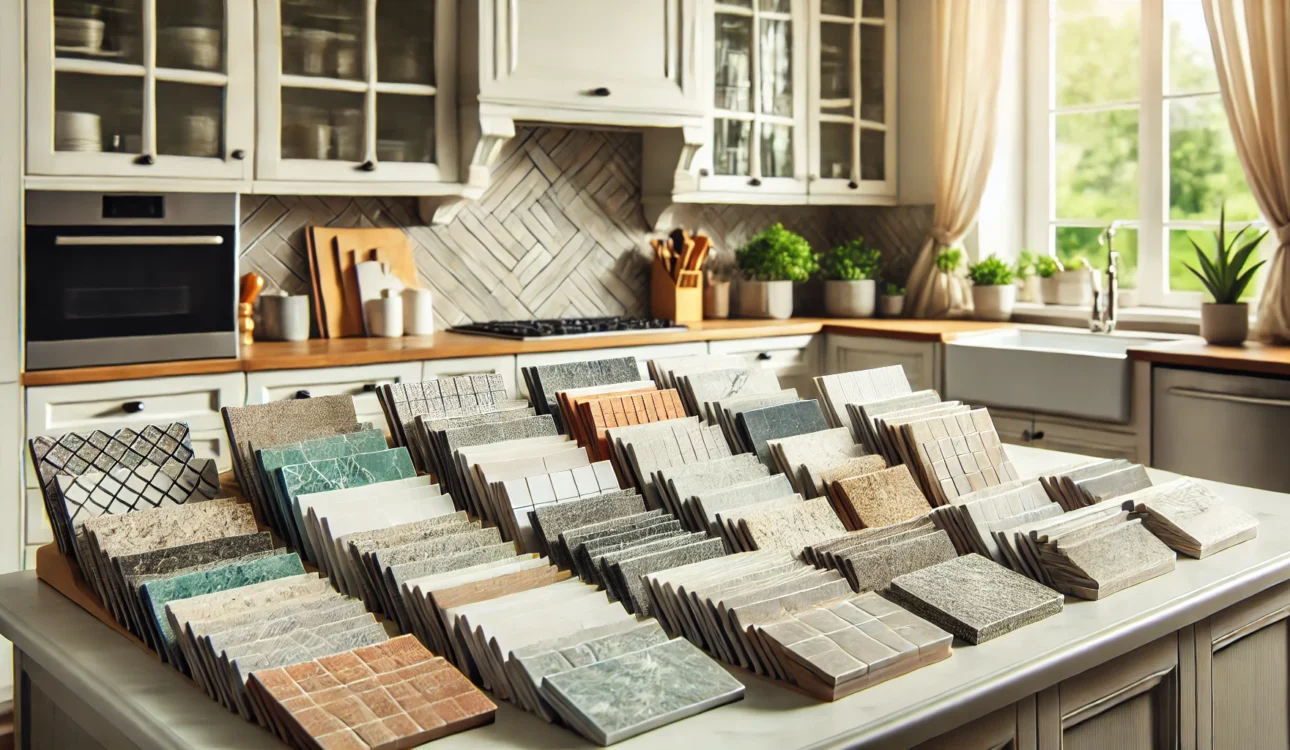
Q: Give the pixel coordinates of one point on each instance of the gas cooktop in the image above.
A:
(565, 328)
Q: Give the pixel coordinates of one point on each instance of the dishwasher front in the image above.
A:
(1224, 427)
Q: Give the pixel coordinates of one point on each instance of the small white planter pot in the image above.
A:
(1048, 290)
(994, 302)
(891, 305)
(1033, 290)
(1225, 325)
(766, 299)
(1074, 288)
(850, 299)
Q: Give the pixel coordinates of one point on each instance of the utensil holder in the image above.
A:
(671, 299)
(716, 300)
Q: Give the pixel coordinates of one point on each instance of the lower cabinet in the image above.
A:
(795, 360)
(1065, 434)
(922, 360)
(1010, 728)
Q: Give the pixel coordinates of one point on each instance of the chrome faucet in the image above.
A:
(1104, 297)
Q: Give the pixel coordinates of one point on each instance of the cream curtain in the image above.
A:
(1250, 40)
(967, 61)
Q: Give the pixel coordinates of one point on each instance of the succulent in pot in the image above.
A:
(993, 293)
(770, 263)
(1226, 320)
(850, 271)
(892, 302)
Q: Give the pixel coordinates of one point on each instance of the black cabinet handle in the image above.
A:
(602, 91)
(703, 172)
(302, 393)
(764, 356)
(147, 160)
(1029, 436)
(853, 184)
(755, 182)
(132, 407)
(368, 166)
(238, 154)
(369, 388)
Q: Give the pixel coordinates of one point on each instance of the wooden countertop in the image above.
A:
(284, 355)
(1253, 357)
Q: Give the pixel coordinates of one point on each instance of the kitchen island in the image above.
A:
(1196, 658)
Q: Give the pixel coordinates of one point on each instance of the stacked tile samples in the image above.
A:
(1090, 553)
(1092, 482)
(803, 458)
(955, 454)
(666, 372)
(975, 521)
(836, 391)
(680, 485)
(87, 475)
(1190, 519)
(706, 390)
(595, 409)
(781, 618)
(871, 558)
(641, 450)
(869, 421)
(726, 412)
(792, 526)
(393, 694)
(757, 427)
(517, 497)
(544, 381)
(974, 598)
(881, 497)
(831, 478)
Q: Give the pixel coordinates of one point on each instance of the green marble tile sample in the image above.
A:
(156, 594)
(339, 473)
(318, 449)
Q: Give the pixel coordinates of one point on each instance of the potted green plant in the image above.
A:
(993, 293)
(892, 301)
(850, 271)
(771, 261)
(1075, 283)
(1027, 278)
(950, 285)
(1046, 268)
(1226, 320)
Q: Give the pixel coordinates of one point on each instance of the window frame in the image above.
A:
(1154, 223)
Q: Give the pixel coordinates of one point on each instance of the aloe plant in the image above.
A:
(1225, 275)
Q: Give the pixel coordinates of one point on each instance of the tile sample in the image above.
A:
(1191, 519)
(861, 386)
(759, 426)
(882, 498)
(792, 527)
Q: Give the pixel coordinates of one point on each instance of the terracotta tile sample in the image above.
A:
(390, 696)
(598, 415)
(882, 497)
(572, 401)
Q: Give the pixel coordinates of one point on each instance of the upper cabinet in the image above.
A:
(357, 91)
(606, 62)
(140, 88)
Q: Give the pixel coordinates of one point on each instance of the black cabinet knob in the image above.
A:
(302, 393)
(147, 160)
(704, 172)
(853, 184)
(602, 91)
(369, 388)
(238, 154)
(132, 407)
(1028, 436)
(764, 356)
(368, 166)
(755, 182)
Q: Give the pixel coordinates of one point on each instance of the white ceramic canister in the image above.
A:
(385, 315)
(418, 312)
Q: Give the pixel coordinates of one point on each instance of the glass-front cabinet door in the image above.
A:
(357, 90)
(140, 88)
(853, 100)
(758, 140)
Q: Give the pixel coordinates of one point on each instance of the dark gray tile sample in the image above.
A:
(550, 521)
(630, 570)
(551, 379)
(169, 447)
(496, 432)
(569, 539)
(757, 426)
(612, 700)
(975, 598)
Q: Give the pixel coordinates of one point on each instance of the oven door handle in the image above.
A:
(155, 239)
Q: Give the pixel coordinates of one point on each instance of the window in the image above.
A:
(1128, 125)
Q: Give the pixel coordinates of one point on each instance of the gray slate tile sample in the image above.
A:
(410, 400)
(630, 570)
(612, 700)
(552, 520)
(761, 425)
(975, 598)
(547, 380)
(875, 569)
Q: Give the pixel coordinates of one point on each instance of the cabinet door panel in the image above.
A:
(1009, 728)
(920, 360)
(1251, 689)
(1131, 702)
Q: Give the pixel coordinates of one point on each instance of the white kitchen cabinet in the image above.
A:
(1011, 727)
(1243, 674)
(601, 62)
(357, 93)
(643, 355)
(359, 382)
(795, 360)
(447, 368)
(922, 360)
(1084, 437)
(140, 89)
(852, 109)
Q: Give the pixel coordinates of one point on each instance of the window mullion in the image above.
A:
(1153, 161)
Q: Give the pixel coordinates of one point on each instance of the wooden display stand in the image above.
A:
(671, 299)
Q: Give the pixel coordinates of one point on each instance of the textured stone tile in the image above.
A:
(269, 460)
(552, 521)
(975, 598)
(874, 569)
(883, 497)
(1191, 519)
(758, 426)
(1111, 562)
(129, 489)
(792, 527)
(858, 387)
(618, 698)
(863, 415)
(630, 570)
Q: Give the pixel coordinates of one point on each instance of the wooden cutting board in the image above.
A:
(333, 252)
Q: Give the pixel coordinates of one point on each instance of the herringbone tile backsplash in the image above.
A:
(559, 233)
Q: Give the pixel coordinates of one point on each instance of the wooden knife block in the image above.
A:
(684, 304)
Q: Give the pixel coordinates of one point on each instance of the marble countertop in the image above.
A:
(157, 708)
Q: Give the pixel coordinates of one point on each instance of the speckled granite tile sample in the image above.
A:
(874, 569)
(792, 527)
(611, 700)
(974, 598)
(155, 594)
(885, 497)
(392, 695)
(630, 570)
(758, 426)
(550, 521)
